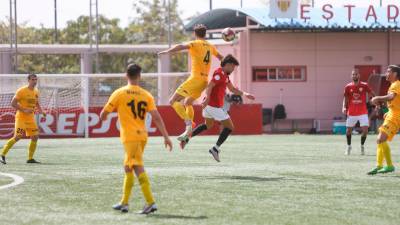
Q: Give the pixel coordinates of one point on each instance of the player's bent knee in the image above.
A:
(172, 101)
(128, 169)
(175, 98)
(138, 170)
(381, 138)
(17, 137)
(209, 124)
(188, 101)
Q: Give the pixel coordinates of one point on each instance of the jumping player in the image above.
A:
(201, 52)
(214, 101)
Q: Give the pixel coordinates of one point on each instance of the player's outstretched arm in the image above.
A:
(159, 122)
(378, 99)
(236, 91)
(176, 48)
(219, 56)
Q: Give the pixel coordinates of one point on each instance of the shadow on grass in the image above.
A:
(171, 216)
(49, 164)
(247, 178)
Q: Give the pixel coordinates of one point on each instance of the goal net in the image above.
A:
(73, 101)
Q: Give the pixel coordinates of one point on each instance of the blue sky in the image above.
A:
(36, 12)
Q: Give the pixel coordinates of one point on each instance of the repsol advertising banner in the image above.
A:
(70, 122)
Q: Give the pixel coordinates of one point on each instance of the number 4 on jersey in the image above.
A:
(206, 59)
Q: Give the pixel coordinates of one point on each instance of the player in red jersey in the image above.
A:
(355, 107)
(214, 101)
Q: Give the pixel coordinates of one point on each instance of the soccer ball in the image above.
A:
(228, 34)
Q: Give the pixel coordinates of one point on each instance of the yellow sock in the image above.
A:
(8, 146)
(180, 110)
(32, 149)
(379, 156)
(146, 189)
(190, 112)
(127, 188)
(386, 153)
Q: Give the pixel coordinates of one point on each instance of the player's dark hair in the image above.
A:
(200, 30)
(229, 59)
(133, 70)
(32, 75)
(395, 69)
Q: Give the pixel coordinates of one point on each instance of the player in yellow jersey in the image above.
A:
(201, 52)
(25, 101)
(391, 124)
(132, 104)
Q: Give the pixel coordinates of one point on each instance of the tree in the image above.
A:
(149, 27)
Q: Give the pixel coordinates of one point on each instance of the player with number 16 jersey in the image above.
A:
(132, 104)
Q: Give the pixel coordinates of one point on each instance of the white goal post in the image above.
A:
(71, 100)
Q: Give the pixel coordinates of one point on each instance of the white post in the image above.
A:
(86, 63)
(5, 62)
(86, 68)
(164, 62)
(85, 92)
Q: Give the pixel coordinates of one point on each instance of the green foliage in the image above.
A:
(150, 27)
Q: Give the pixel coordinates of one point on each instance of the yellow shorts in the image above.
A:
(25, 127)
(390, 128)
(192, 87)
(134, 153)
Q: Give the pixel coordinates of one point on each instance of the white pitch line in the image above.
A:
(17, 180)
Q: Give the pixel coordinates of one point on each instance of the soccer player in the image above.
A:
(214, 101)
(200, 52)
(391, 124)
(132, 104)
(355, 107)
(25, 101)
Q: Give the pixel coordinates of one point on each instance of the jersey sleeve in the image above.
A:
(192, 48)
(19, 94)
(191, 45)
(216, 78)
(395, 88)
(112, 103)
(151, 104)
(214, 50)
